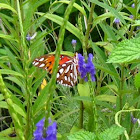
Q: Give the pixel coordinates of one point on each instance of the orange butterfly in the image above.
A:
(67, 69)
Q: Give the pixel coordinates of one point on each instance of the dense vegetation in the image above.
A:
(104, 102)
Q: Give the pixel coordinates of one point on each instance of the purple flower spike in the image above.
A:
(116, 21)
(51, 131)
(133, 5)
(73, 42)
(85, 68)
(131, 16)
(134, 120)
(28, 37)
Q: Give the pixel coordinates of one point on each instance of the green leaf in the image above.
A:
(3, 104)
(82, 135)
(16, 80)
(1, 97)
(126, 51)
(78, 7)
(5, 6)
(19, 110)
(8, 37)
(14, 61)
(108, 98)
(112, 133)
(137, 80)
(82, 98)
(4, 135)
(59, 20)
(5, 71)
(84, 91)
(112, 10)
(109, 67)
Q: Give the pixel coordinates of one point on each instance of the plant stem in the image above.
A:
(51, 86)
(94, 110)
(29, 120)
(81, 115)
(93, 114)
(11, 108)
(121, 88)
(117, 119)
(87, 34)
(121, 85)
(99, 83)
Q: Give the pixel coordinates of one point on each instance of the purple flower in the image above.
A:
(134, 120)
(131, 16)
(51, 131)
(117, 21)
(28, 37)
(73, 42)
(85, 68)
(133, 5)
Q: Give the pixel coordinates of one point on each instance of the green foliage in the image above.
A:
(126, 51)
(88, 110)
(82, 135)
(111, 133)
(137, 80)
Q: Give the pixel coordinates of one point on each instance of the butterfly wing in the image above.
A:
(67, 74)
(45, 62)
(67, 69)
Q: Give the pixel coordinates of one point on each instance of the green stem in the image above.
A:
(94, 110)
(52, 85)
(117, 119)
(92, 122)
(29, 120)
(121, 88)
(81, 115)
(121, 85)
(87, 34)
(11, 108)
(99, 83)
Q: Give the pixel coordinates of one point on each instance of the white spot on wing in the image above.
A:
(41, 59)
(42, 65)
(61, 70)
(71, 66)
(33, 63)
(36, 63)
(66, 78)
(67, 69)
(57, 75)
(63, 65)
(61, 82)
(72, 83)
(71, 74)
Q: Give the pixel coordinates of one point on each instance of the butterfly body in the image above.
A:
(67, 69)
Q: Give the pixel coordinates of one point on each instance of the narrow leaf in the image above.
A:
(59, 20)
(6, 6)
(5, 71)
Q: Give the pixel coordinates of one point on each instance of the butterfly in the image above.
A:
(67, 68)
